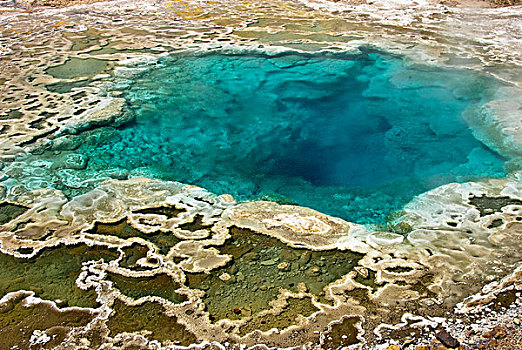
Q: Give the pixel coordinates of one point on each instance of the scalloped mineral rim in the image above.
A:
(455, 240)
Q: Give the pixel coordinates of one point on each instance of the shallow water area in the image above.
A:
(353, 135)
(75, 67)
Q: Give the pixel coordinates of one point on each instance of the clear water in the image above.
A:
(355, 136)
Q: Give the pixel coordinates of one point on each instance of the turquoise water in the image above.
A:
(355, 136)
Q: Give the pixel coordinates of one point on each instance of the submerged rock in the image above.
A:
(447, 340)
(71, 161)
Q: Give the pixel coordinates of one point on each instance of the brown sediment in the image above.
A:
(341, 334)
(504, 300)
(260, 268)
(148, 319)
(52, 274)
(163, 240)
(20, 317)
(289, 315)
(160, 285)
(10, 211)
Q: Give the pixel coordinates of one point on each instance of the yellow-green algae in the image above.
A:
(160, 285)
(62, 87)
(195, 224)
(488, 204)
(163, 240)
(77, 67)
(18, 320)
(148, 318)
(52, 274)
(131, 255)
(288, 316)
(260, 268)
(10, 211)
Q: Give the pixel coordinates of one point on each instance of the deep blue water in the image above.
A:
(355, 136)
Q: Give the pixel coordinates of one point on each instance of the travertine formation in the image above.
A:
(110, 262)
(461, 237)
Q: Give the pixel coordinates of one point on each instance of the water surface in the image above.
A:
(355, 136)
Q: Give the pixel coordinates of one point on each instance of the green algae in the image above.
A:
(52, 274)
(488, 205)
(287, 317)
(77, 67)
(164, 241)
(84, 43)
(18, 321)
(160, 285)
(342, 334)
(368, 280)
(196, 224)
(10, 211)
(65, 87)
(11, 114)
(261, 266)
(132, 254)
(399, 269)
(496, 223)
(504, 300)
(149, 317)
(168, 211)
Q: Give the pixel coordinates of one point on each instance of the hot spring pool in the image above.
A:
(355, 136)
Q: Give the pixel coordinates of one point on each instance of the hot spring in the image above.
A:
(352, 135)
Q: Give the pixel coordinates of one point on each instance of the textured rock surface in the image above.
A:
(421, 270)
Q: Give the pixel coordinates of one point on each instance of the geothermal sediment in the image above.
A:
(112, 261)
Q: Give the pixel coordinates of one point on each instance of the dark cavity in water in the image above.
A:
(355, 136)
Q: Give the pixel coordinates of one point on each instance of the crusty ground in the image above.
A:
(450, 3)
(509, 338)
(53, 3)
(505, 335)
